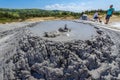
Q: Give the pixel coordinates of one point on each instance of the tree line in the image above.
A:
(101, 12)
(30, 13)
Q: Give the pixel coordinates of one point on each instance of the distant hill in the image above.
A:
(15, 14)
(34, 13)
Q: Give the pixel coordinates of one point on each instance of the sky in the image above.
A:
(68, 5)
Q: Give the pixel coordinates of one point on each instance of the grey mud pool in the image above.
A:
(79, 31)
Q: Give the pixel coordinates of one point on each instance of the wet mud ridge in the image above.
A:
(26, 56)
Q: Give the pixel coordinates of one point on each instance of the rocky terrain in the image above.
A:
(25, 56)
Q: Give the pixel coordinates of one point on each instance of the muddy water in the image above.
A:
(79, 31)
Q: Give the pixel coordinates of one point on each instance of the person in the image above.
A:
(96, 17)
(109, 13)
(83, 17)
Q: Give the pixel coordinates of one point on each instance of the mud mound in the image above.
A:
(30, 57)
(25, 56)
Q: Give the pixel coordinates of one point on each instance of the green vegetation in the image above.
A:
(101, 12)
(9, 15)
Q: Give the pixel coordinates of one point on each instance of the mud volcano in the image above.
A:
(88, 53)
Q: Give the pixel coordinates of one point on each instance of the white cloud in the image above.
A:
(70, 7)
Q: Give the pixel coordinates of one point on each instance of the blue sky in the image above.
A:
(69, 5)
